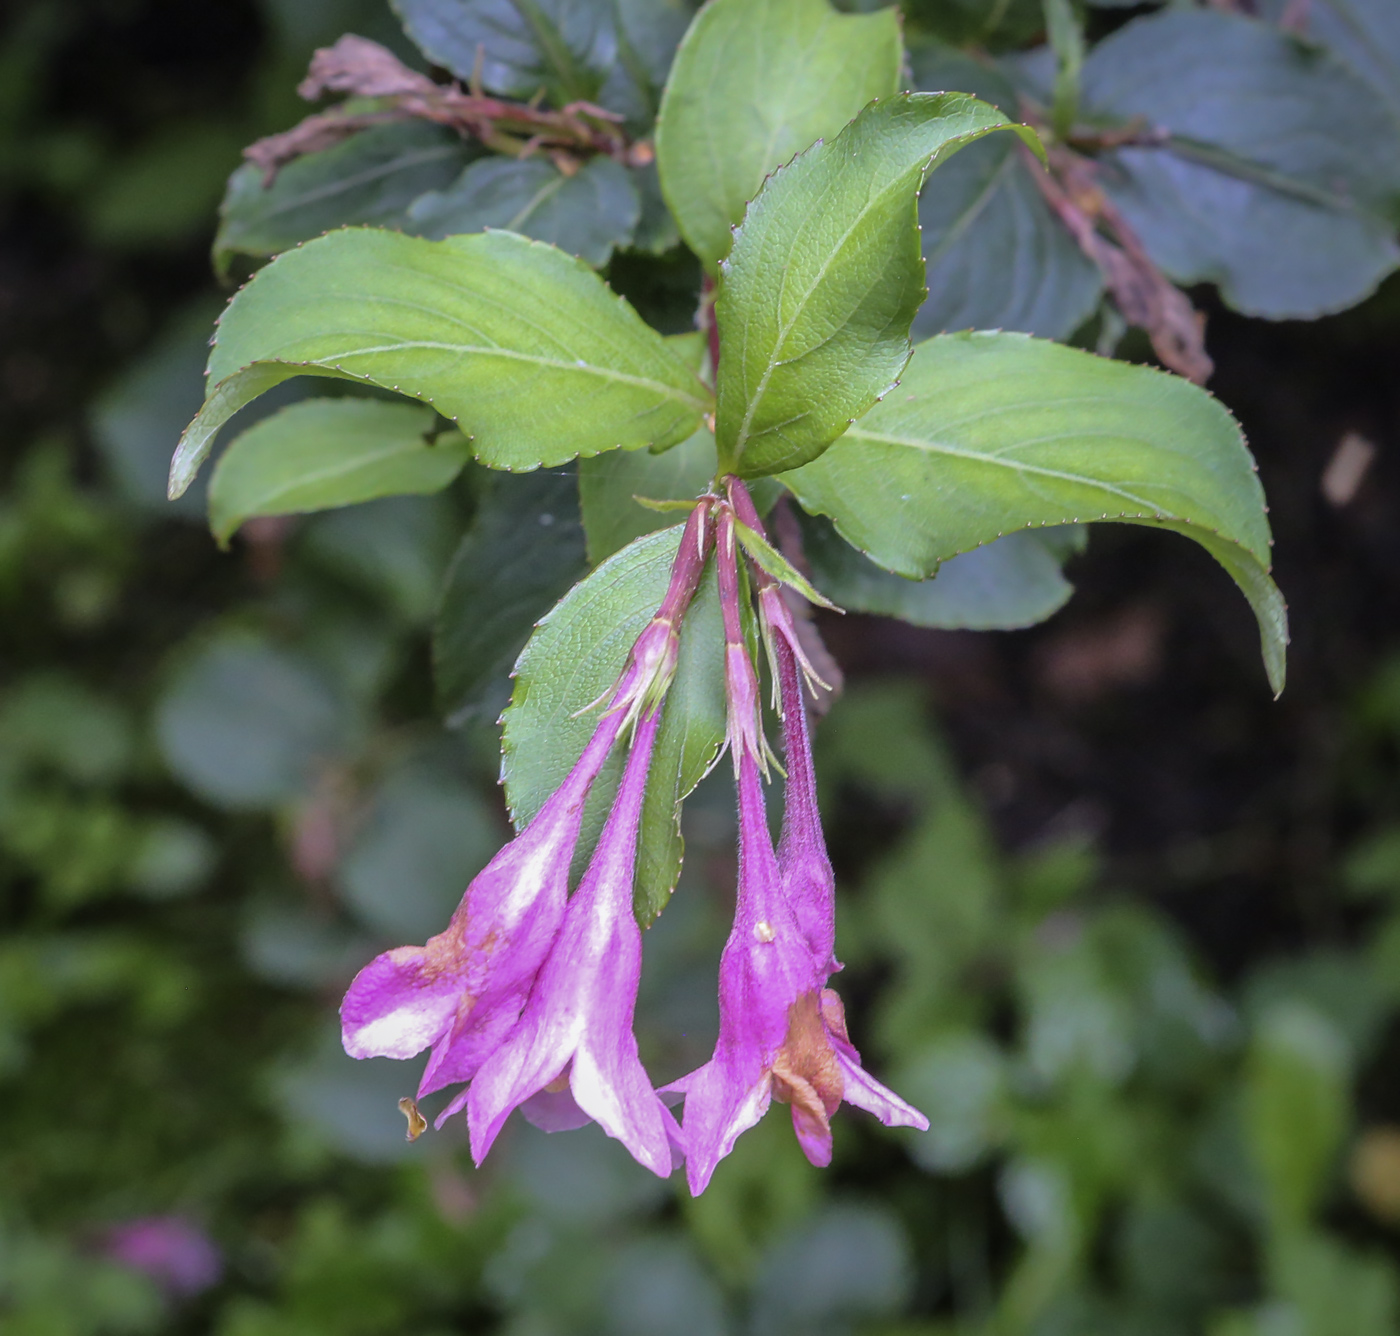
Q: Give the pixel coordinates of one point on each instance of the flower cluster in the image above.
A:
(528, 994)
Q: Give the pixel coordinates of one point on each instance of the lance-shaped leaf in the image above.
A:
(994, 432)
(754, 82)
(323, 453)
(371, 178)
(825, 277)
(524, 347)
(588, 214)
(573, 658)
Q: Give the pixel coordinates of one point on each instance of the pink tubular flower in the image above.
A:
(782, 1031)
(576, 1031)
(463, 991)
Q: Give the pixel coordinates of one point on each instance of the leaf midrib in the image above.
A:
(993, 461)
(550, 363)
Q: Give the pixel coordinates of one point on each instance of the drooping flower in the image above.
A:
(782, 1031)
(463, 991)
(573, 1055)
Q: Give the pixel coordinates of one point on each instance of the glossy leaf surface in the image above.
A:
(1281, 178)
(994, 432)
(371, 178)
(520, 556)
(323, 453)
(575, 655)
(825, 276)
(523, 346)
(754, 82)
(588, 214)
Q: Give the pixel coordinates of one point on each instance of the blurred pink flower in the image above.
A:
(172, 1251)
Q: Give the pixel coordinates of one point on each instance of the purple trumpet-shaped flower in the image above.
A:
(782, 1031)
(573, 1056)
(463, 991)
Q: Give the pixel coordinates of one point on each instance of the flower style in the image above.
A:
(576, 1030)
(463, 991)
(782, 1031)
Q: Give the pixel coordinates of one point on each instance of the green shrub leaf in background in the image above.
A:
(521, 555)
(1013, 582)
(825, 277)
(517, 47)
(614, 53)
(588, 214)
(245, 724)
(371, 178)
(1268, 138)
(323, 453)
(1364, 33)
(609, 485)
(996, 256)
(754, 82)
(992, 432)
(523, 346)
(572, 659)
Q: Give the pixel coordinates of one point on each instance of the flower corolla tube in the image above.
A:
(529, 993)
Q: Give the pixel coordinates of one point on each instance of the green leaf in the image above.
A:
(1013, 582)
(612, 52)
(1364, 33)
(425, 836)
(825, 276)
(994, 432)
(396, 549)
(1296, 1106)
(136, 418)
(1281, 178)
(995, 256)
(247, 725)
(588, 214)
(608, 486)
(575, 655)
(521, 345)
(517, 47)
(323, 453)
(754, 82)
(768, 559)
(521, 555)
(371, 178)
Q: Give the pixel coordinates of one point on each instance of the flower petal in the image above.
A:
(554, 1111)
(401, 1002)
(865, 1092)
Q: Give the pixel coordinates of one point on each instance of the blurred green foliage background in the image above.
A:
(1128, 932)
